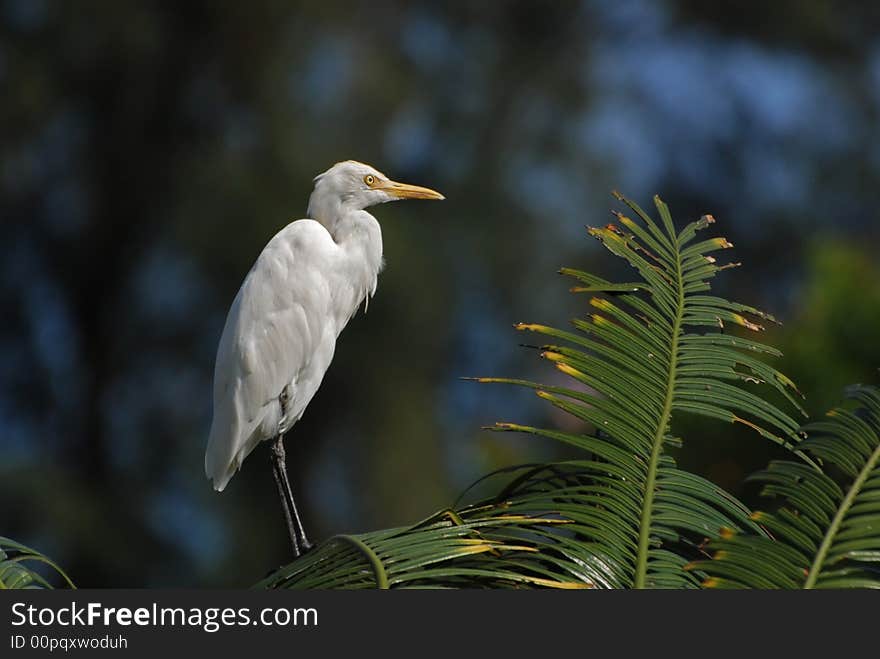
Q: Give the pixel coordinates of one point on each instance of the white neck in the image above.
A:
(326, 209)
(355, 231)
(359, 235)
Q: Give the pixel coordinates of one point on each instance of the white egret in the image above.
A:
(281, 331)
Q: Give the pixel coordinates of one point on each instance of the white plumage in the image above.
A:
(281, 331)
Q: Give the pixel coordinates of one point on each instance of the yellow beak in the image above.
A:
(407, 191)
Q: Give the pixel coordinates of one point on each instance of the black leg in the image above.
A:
(291, 515)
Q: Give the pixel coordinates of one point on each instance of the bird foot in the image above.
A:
(303, 548)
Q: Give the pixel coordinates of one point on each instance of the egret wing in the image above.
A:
(281, 317)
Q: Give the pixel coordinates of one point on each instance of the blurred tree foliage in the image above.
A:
(833, 338)
(148, 150)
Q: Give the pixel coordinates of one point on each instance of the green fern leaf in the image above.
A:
(650, 349)
(827, 534)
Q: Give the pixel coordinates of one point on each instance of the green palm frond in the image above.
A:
(481, 546)
(625, 515)
(553, 526)
(648, 350)
(827, 533)
(15, 570)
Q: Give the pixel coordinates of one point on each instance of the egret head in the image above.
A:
(352, 185)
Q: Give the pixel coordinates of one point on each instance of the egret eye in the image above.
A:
(369, 179)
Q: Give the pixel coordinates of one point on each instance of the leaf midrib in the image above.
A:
(834, 527)
(659, 435)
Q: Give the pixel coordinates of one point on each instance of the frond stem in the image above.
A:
(660, 434)
(375, 561)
